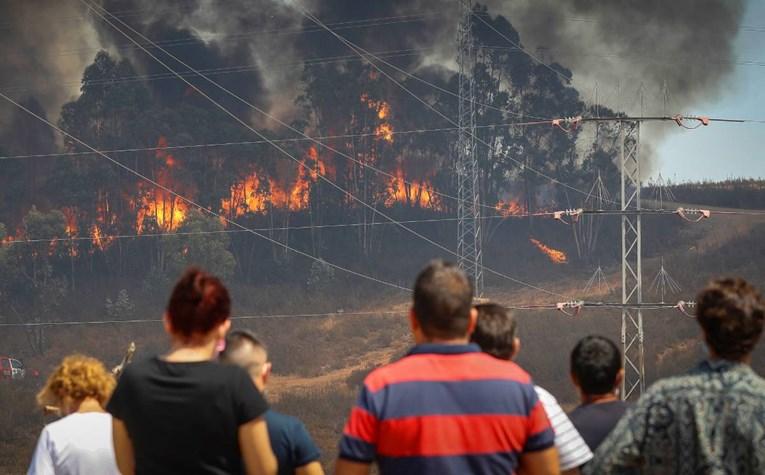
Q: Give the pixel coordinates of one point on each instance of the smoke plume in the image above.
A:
(669, 53)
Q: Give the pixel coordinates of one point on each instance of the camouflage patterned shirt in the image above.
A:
(708, 421)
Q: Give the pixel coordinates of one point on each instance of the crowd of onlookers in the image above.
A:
(456, 403)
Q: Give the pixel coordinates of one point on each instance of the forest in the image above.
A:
(187, 182)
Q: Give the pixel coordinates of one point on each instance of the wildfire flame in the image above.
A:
(556, 256)
(168, 210)
(414, 193)
(245, 197)
(99, 240)
(248, 196)
(509, 208)
(70, 214)
(384, 130)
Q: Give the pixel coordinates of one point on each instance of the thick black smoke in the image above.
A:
(675, 52)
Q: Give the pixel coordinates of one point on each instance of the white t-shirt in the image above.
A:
(572, 450)
(80, 443)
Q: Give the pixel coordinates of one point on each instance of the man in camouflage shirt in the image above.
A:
(708, 421)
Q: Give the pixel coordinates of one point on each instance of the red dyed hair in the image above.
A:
(199, 303)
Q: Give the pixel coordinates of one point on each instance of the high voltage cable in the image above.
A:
(519, 307)
(345, 25)
(234, 69)
(260, 142)
(521, 48)
(110, 237)
(280, 149)
(195, 205)
(234, 231)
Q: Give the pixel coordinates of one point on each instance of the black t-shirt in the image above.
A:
(595, 421)
(184, 417)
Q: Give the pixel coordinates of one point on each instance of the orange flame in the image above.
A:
(556, 256)
(99, 240)
(247, 196)
(384, 131)
(509, 208)
(414, 193)
(70, 215)
(168, 210)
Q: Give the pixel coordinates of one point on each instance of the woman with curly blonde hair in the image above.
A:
(80, 442)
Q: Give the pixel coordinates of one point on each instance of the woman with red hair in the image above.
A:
(182, 412)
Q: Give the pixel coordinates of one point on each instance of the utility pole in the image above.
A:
(633, 384)
(469, 244)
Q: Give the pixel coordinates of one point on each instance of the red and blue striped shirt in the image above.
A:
(446, 409)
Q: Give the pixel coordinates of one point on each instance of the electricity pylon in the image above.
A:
(469, 244)
(633, 383)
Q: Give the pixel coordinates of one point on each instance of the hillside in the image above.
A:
(320, 361)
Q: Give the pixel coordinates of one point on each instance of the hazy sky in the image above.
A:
(726, 150)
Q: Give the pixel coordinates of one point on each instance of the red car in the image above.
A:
(12, 368)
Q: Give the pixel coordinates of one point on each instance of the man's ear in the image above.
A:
(472, 322)
(414, 326)
(265, 371)
(167, 324)
(516, 347)
(619, 379)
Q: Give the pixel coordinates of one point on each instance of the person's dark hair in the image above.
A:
(443, 297)
(198, 304)
(731, 313)
(595, 362)
(495, 330)
(238, 338)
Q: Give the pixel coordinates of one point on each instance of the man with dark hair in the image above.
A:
(295, 452)
(710, 420)
(446, 407)
(597, 373)
(495, 333)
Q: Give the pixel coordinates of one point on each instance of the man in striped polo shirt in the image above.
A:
(496, 334)
(446, 407)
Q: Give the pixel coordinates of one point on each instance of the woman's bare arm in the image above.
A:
(123, 448)
(256, 450)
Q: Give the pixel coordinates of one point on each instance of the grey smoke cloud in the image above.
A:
(686, 45)
(44, 46)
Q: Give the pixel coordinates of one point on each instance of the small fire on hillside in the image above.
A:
(251, 195)
(384, 130)
(556, 256)
(168, 210)
(410, 192)
(509, 208)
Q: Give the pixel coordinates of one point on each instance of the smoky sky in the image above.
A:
(675, 52)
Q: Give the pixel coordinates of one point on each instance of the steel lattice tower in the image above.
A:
(468, 203)
(633, 384)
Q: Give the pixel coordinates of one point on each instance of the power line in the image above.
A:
(577, 305)
(344, 25)
(282, 150)
(195, 205)
(233, 69)
(521, 48)
(235, 317)
(261, 142)
(108, 237)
